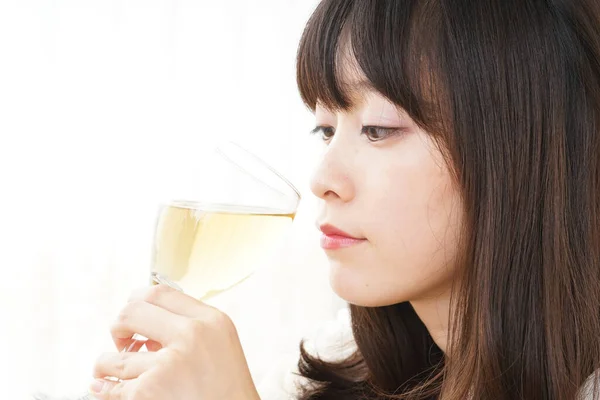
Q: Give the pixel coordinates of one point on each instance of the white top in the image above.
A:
(333, 341)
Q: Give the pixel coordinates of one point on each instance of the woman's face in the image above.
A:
(385, 186)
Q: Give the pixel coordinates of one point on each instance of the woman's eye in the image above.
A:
(325, 132)
(377, 133)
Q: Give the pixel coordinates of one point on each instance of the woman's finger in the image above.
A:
(153, 322)
(111, 390)
(124, 366)
(153, 346)
(170, 299)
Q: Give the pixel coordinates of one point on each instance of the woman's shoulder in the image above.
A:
(331, 341)
(587, 390)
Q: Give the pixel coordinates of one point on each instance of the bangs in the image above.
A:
(389, 46)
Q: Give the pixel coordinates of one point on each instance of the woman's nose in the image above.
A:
(332, 179)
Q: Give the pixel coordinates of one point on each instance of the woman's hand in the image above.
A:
(194, 352)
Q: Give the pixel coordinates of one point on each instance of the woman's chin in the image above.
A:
(355, 288)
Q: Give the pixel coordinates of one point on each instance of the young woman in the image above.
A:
(460, 212)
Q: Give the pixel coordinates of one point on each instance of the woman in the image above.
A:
(460, 213)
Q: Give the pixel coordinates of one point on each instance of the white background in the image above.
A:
(108, 107)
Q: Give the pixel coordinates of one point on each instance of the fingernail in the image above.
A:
(97, 386)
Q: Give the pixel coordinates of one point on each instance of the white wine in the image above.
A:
(207, 248)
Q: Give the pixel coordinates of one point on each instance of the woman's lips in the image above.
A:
(334, 238)
(333, 242)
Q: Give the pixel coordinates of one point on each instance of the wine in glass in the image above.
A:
(204, 247)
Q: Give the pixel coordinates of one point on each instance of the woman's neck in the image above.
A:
(434, 312)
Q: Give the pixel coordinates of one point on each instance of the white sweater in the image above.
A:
(333, 341)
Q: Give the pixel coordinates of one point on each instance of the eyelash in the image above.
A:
(380, 130)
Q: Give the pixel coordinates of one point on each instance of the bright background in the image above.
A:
(108, 107)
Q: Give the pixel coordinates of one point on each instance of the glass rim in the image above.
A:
(228, 208)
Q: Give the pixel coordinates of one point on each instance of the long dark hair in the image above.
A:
(510, 91)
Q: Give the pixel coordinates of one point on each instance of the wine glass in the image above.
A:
(206, 245)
